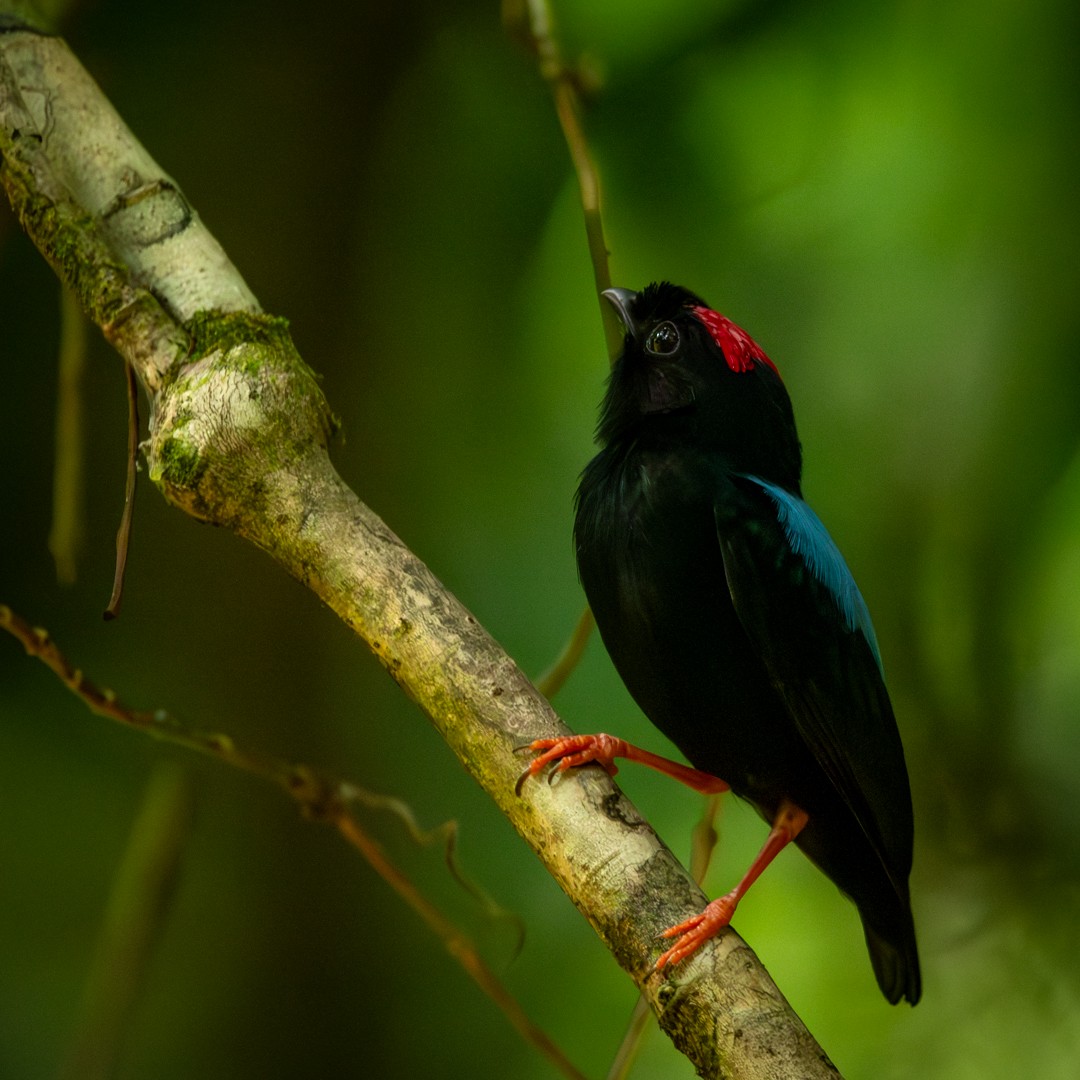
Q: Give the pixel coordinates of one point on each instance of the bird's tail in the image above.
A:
(896, 960)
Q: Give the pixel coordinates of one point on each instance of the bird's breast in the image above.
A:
(646, 543)
(653, 571)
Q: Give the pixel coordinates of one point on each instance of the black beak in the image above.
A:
(621, 300)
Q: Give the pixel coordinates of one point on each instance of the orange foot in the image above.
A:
(790, 820)
(571, 751)
(693, 933)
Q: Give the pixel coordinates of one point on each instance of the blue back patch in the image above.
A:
(810, 540)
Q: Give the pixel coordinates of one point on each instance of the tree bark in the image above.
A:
(238, 437)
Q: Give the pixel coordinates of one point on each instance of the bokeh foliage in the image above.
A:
(885, 195)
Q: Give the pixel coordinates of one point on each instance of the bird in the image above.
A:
(734, 621)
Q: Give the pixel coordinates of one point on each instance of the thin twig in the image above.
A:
(446, 834)
(320, 797)
(552, 680)
(531, 22)
(123, 534)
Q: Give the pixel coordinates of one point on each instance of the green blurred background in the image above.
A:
(884, 195)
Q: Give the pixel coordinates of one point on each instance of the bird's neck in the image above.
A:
(673, 436)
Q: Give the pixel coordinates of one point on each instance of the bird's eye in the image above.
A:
(664, 340)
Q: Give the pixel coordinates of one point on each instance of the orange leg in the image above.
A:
(692, 934)
(602, 750)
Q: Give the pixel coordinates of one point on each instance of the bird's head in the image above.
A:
(689, 372)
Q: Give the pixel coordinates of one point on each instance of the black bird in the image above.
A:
(734, 621)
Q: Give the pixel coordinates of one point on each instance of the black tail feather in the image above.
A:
(896, 963)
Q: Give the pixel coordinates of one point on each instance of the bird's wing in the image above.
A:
(801, 609)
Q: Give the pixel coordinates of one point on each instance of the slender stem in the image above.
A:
(457, 944)
(551, 681)
(704, 837)
(532, 21)
(123, 534)
(632, 1041)
(568, 108)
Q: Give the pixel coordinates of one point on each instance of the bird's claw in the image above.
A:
(695, 931)
(568, 752)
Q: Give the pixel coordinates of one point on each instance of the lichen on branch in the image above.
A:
(239, 406)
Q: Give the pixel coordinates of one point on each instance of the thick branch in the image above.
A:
(238, 437)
